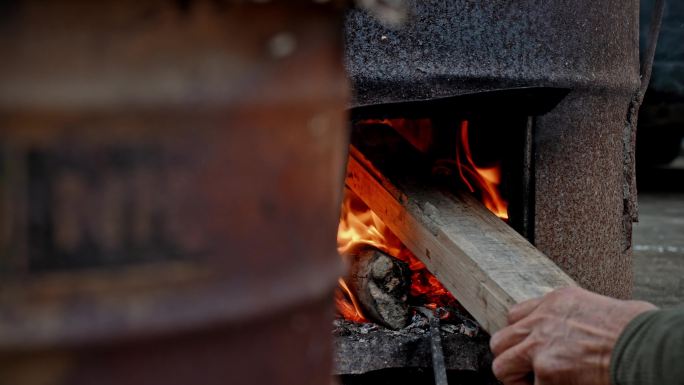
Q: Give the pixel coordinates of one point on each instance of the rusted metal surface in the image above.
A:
(169, 191)
(581, 216)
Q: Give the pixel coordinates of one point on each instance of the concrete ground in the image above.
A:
(659, 236)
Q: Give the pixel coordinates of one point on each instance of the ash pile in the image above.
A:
(366, 347)
(395, 315)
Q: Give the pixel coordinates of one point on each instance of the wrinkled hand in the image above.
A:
(565, 337)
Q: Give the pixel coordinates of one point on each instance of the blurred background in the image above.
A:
(659, 235)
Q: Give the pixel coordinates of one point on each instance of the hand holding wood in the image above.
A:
(565, 337)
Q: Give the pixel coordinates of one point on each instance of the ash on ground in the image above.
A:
(366, 347)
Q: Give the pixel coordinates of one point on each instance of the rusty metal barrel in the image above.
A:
(170, 175)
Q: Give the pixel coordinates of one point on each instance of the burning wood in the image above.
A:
(368, 244)
(477, 256)
(360, 228)
(381, 284)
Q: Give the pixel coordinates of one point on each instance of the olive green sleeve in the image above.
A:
(650, 351)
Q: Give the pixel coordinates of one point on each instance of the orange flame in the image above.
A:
(360, 226)
(347, 305)
(486, 179)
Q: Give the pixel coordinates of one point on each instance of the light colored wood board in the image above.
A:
(479, 258)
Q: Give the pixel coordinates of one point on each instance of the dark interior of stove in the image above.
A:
(501, 132)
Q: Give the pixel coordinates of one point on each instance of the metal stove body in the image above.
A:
(583, 197)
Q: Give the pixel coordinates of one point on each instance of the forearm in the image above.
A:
(650, 350)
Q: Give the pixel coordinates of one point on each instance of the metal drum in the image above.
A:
(170, 176)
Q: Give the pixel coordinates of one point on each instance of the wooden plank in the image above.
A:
(478, 257)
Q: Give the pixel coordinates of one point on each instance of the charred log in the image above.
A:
(381, 284)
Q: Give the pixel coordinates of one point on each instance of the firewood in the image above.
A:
(481, 260)
(381, 284)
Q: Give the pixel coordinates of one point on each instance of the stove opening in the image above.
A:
(480, 143)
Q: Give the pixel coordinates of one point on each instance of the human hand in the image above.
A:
(563, 338)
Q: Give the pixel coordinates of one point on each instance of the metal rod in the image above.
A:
(528, 182)
(438, 365)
